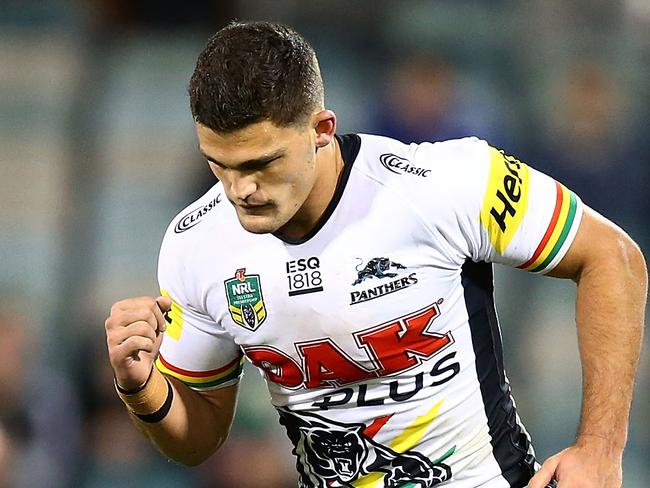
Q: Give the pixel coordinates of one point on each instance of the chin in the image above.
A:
(258, 226)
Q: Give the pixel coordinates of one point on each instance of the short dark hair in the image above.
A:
(255, 71)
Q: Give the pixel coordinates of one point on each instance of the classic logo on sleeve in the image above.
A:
(402, 166)
(193, 217)
(506, 199)
(245, 300)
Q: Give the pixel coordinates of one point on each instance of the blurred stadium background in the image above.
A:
(97, 153)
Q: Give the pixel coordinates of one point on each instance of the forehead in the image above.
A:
(251, 142)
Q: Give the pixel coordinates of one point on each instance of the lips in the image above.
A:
(254, 209)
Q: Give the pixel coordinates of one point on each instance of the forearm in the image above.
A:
(194, 427)
(609, 315)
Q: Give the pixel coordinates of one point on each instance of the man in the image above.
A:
(354, 272)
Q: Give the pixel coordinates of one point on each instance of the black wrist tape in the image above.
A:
(161, 413)
(125, 391)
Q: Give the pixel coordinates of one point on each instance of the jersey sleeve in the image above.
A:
(507, 212)
(196, 349)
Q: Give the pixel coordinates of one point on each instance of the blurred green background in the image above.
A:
(98, 153)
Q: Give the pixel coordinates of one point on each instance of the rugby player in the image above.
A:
(355, 272)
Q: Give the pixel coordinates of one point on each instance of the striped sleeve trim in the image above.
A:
(563, 225)
(202, 379)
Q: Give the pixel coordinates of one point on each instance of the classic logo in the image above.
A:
(398, 165)
(380, 268)
(193, 217)
(336, 454)
(245, 300)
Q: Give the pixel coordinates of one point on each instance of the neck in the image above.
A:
(329, 164)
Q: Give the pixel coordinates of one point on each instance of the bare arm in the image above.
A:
(196, 425)
(185, 424)
(612, 280)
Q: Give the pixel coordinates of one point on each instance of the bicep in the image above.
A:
(597, 242)
(206, 414)
(224, 401)
(220, 413)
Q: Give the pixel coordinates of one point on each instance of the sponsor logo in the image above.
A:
(336, 454)
(506, 199)
(399, 166)
(392, 347)
(304, 276)
(398, 390)
(193, 217)
(380, 268)
(245, 300)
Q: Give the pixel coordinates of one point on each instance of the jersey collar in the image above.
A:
(350, 145)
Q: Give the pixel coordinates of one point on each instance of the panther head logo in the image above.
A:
(331, 453)
(338, 453)
(377, 268)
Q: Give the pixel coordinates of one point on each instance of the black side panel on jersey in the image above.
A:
(350, 145)
(509, 443)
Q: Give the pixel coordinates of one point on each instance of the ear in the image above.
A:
(324, 123)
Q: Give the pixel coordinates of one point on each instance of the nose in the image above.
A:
(242, 186)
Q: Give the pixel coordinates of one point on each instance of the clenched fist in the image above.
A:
(134, 334)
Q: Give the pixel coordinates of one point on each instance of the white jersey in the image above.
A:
(377, 332)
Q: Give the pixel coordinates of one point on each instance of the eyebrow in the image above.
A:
(249, 163)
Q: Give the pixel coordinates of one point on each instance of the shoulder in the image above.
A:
(191, 224)
(201, 210)
(442, 165)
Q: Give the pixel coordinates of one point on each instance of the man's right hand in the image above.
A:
(134, 332)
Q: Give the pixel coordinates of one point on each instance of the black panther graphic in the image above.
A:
(334, 454)
(377, 268)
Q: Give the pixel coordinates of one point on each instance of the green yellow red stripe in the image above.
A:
(202, 379)
(557, 231)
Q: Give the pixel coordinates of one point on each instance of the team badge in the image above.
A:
(380, 268)
(245, 300)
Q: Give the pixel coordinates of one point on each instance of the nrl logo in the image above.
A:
(245, 300)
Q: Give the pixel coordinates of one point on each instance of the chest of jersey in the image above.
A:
(371, 295)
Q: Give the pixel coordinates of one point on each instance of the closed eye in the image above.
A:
(216, 163)
(249, 165)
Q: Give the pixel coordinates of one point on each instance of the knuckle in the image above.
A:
(148, 301)
(144, 329)
(129, 344)
(114, 357)
(145, 313)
